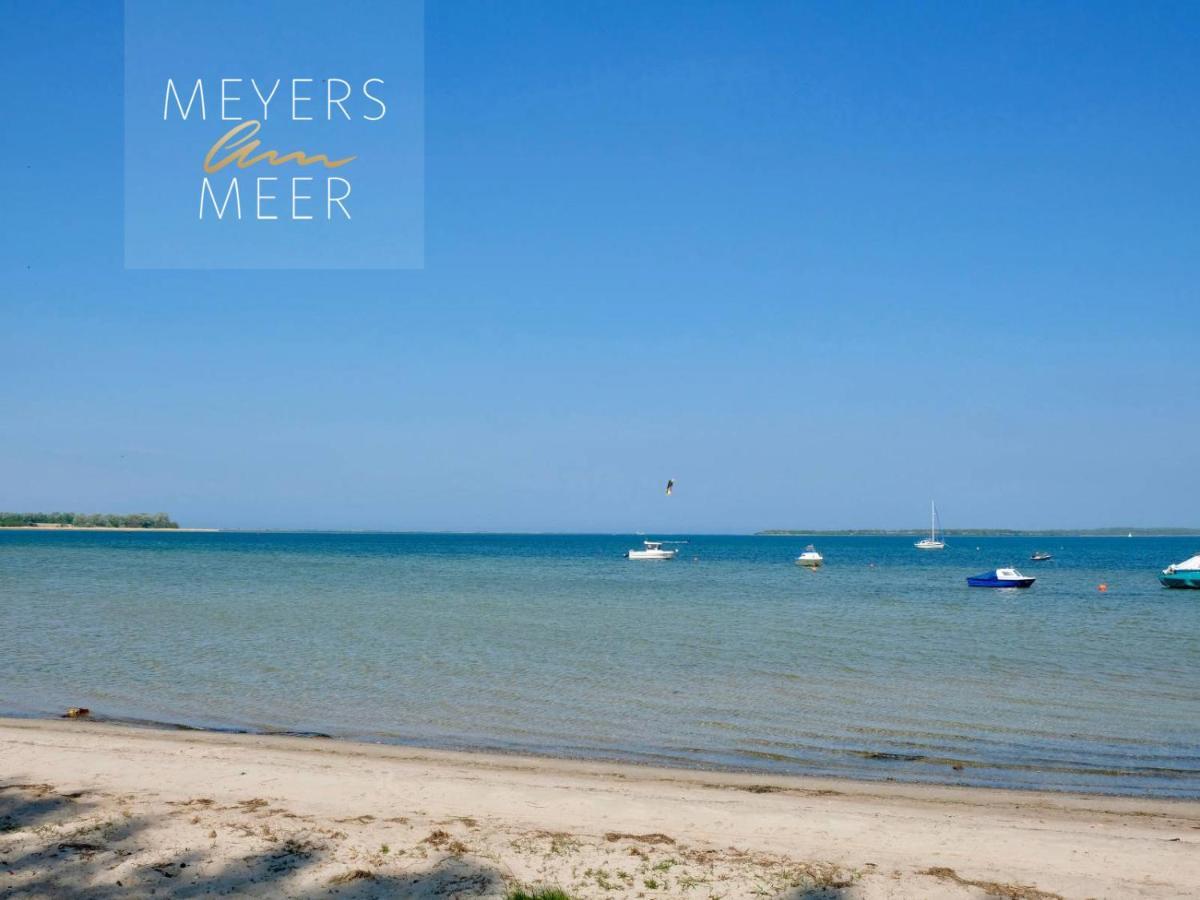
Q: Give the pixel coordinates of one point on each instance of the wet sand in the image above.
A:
(91, 809)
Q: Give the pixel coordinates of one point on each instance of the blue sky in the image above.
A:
(818, 263)
(379, 48)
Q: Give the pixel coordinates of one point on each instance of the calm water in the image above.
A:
(881, 665)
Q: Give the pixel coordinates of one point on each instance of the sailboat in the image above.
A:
(931, 542)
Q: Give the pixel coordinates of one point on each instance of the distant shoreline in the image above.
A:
(854, 532)
(988, 532)
(51, 528)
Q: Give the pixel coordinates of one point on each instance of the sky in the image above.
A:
(376, 63)
(819, 263)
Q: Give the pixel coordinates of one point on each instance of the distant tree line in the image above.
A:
(88, 520)
(1119, 531)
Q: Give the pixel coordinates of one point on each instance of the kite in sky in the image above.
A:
(670, 486)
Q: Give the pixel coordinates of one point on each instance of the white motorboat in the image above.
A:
(931, 542)
(810, 557)
(653, 550)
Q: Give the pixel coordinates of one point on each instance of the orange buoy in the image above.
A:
(1102, 588)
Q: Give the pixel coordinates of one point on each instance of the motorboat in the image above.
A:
(1182, 575)
(1001, 578)
(1041, 556)
(652, 550)
(810, 558)
(932, 542)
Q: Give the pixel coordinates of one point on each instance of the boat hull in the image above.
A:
(976, 581)
(1184, 579)
(810, 563)
(930, 545)
(651, 554)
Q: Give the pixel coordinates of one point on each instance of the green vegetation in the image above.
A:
(88, 520)
(983, 532)
(540, 894)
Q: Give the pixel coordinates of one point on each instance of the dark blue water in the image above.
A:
(883, 664)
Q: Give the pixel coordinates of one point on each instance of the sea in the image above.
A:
(881, 665)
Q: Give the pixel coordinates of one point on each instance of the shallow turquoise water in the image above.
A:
(883, 664)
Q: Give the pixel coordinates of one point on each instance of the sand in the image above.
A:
(96, 810)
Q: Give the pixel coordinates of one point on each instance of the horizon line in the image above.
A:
(1094, 531)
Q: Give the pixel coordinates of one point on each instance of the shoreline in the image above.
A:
(984, 533)
(48, 529)
(866, 533)
(615, 758)
(139, 809)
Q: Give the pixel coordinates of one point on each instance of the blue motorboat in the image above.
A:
(1001, 578)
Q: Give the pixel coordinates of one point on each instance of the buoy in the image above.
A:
(1102, 588)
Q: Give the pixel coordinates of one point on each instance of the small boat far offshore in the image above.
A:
(653, 550)
(931, 542)
(810, 558)
(1182, 575)
(1041, 556)
(1001, 578)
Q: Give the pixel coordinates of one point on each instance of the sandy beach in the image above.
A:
(91, 809)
